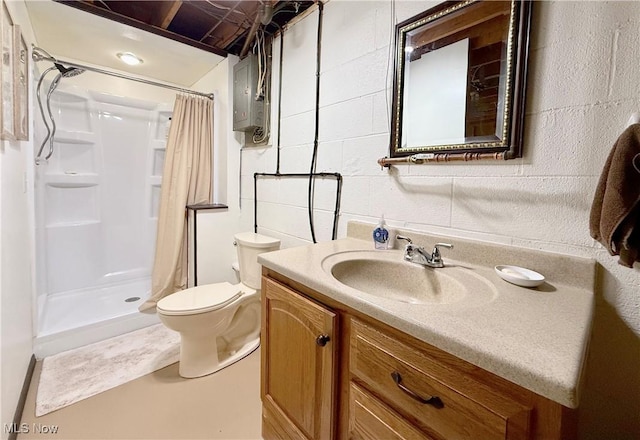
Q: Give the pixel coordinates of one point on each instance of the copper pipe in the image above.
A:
(439, 157)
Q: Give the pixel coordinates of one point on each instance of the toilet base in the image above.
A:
(196, 361)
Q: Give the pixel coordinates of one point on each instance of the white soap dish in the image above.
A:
(519, 276)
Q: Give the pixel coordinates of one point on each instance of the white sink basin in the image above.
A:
(385, 274)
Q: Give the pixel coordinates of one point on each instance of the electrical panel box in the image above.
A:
(248, 113)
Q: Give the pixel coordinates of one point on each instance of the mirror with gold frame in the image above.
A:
(460, 79)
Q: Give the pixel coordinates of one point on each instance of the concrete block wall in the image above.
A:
(584, 83)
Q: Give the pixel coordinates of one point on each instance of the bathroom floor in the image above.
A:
(160, 405)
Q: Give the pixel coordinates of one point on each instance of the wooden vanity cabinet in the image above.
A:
(373, 382)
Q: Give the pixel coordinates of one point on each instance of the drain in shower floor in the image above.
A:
(132, 299)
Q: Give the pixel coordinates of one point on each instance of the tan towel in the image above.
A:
(615, 213)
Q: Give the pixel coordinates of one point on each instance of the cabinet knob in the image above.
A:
(322, 340)
(428, 400)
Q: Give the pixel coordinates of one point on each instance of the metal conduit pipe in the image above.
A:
(336, 212)
(279, 98)
(312, 174)
(263, 14)
(314, 156)
(252, 33)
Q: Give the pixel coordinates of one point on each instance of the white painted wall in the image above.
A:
(584, 83)
(16, 250)
(15, 275)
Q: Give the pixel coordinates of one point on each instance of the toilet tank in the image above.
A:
(250, 245)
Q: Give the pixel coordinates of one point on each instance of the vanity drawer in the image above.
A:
(370, 419)
(460, 408)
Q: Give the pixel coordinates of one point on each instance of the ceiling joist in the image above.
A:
(217, 26)
(165, 13)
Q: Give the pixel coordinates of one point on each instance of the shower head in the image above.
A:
(39, 54)
(68, 72)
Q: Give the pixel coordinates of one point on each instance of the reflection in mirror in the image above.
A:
(460, 79)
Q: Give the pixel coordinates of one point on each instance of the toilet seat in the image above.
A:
(200, 299)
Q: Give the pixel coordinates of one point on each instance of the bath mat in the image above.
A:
(74, 375)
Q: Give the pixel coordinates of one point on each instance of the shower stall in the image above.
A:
(96, 203)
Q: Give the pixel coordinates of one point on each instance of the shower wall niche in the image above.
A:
(96, 208)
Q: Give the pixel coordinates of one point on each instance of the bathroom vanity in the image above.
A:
(340, 363)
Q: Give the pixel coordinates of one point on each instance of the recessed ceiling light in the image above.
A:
(130, 59)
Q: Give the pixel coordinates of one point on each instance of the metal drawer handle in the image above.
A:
(322, 340)
(430, 400)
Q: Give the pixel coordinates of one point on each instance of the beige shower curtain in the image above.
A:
(186, 180)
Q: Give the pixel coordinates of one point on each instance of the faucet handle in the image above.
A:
(408, 248)
(435, 254)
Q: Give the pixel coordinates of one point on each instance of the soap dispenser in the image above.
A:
(381, 235)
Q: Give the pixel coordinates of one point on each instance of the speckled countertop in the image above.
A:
(534, 337)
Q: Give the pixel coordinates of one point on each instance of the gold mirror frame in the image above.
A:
(517, 47)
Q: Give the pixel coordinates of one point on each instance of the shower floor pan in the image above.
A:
(81, 317)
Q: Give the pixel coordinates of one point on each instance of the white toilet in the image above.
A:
(219, 324)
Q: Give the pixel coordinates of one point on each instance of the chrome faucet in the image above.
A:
(416, 254)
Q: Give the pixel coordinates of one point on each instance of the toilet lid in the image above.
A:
(199, 299)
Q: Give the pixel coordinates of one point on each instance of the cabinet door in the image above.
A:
(298, 359)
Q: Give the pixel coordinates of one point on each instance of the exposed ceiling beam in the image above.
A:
(165, 13)
(217, 26)
(87, 7)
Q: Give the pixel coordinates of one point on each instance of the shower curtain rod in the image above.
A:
(41, 57)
